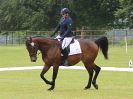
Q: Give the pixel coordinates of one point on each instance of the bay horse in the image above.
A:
(51, 55)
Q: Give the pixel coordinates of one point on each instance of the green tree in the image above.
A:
(44, 14)
(125, 14)
(96, 13)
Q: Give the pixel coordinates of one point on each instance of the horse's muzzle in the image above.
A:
(33, 59)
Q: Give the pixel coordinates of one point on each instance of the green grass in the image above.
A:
(117, 57)
(69, 85)
(18, 56)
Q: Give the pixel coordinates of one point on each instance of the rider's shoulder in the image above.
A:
(69, 20)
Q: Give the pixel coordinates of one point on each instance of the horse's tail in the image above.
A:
(103, 44)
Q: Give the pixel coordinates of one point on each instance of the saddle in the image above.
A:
(73, 48)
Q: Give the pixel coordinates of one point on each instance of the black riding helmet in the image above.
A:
(64, 11)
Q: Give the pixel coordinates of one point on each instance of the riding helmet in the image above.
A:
(64, 11)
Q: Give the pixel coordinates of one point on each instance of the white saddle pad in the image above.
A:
(75, 48)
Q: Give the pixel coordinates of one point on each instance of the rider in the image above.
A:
(65, 35)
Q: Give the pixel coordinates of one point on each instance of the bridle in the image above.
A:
(33, 48)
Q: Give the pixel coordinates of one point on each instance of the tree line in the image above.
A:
(44, 14)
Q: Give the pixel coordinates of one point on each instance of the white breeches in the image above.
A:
(66, 41)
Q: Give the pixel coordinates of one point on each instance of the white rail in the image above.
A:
(62, 67)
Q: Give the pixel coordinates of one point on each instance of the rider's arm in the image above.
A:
(56, 30)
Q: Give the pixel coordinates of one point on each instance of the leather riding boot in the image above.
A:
(64, 61)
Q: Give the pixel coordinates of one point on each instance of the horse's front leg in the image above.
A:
(44, 70)
(55, 72)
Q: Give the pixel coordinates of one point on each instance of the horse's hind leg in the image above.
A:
(90, 72)
(97, 70)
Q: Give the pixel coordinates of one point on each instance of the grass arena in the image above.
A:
(26, 84)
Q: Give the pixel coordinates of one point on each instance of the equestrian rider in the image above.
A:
(65, 36)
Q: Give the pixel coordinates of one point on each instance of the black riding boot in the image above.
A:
(65, 53)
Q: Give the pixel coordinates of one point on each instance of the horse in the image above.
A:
(51, 55)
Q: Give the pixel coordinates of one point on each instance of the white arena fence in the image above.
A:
(116, 37)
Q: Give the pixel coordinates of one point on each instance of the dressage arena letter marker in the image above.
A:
(130, 63)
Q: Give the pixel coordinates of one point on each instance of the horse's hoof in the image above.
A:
(86, 88)
(51, 88)
(95, 86)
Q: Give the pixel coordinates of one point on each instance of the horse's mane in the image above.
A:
(49, 39)
(41, 37)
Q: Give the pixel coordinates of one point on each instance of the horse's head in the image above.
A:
(32, 48)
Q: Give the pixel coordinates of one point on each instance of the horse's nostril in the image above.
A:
(33, 59)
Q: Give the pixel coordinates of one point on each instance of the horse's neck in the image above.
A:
(44, 44)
